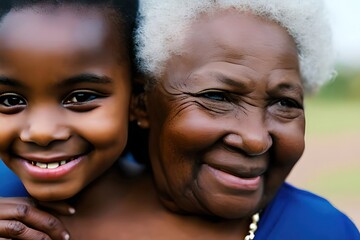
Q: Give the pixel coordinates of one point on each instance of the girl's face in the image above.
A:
(226, 119)
(64, 98)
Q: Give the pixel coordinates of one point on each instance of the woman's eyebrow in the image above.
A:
(238, 82)
(11, 82)
(289, 88)
(86, 78)
(231, 82)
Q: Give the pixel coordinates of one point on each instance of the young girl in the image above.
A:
(65, 88)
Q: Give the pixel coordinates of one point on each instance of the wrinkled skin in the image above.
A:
(226, 117)
(64, 96)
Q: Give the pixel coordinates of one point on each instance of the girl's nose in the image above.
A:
(43, 127)
(250, 135)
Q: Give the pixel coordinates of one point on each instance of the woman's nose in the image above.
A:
(251, 135)
(43, 127)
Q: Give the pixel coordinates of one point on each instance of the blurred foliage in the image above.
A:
(332, 116)
(336, 108)
(345, 86)
(338, 181)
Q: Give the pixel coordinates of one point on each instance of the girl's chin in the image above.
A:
(49, 194)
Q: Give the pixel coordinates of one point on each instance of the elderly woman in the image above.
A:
(225, 82)
(225, 88)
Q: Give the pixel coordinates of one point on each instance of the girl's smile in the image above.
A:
(64, 97)
(48, 169)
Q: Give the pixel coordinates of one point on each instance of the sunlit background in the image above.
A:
(331, 162)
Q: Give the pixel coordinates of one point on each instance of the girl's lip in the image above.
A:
(45, 170)
(234, 181)
(48, 159)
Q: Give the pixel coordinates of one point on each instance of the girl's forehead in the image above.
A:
(30, 27)
(63, 30)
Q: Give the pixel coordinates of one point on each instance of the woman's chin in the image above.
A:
(231, 210)
(214, 208)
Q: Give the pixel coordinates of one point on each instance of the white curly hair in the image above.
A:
(162, 27)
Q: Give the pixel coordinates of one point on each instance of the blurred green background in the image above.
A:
(336, 108)
(330, 166)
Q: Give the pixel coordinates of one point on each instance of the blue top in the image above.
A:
(297, 214)
(293, 214)
(10, 184)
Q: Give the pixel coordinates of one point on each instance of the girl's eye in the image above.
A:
(80, 97)
(215, 95)
(12, 100)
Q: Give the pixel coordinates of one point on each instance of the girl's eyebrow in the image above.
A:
(86, 78)
(82, 78)
(10, 82)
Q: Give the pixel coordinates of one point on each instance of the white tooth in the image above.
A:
(62, 163)
(41, 165)
(52, 165)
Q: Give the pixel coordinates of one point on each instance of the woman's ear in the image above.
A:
(138, 109)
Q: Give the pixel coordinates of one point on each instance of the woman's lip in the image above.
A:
(234, 181)
(51, 174)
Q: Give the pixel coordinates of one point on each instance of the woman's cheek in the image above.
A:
(194, 131)
(289, 150)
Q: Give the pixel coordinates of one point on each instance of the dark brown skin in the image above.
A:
(205, 128)
(18, 213)
(226, 118)
(64, 96)
(133, 211)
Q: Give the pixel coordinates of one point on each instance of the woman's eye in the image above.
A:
(215, 95)
(12, 100)
(80, 97)
(289, 103)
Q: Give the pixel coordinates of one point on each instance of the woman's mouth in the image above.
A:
(232, 181)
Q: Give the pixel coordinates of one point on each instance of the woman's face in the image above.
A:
(64, 98)
(226, 118)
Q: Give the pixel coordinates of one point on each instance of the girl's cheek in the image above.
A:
(104, 132)
(9, 130)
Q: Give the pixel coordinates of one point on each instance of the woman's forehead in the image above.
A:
(237, 31)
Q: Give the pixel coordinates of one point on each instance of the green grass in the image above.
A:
(340, 182)
(329, 117)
